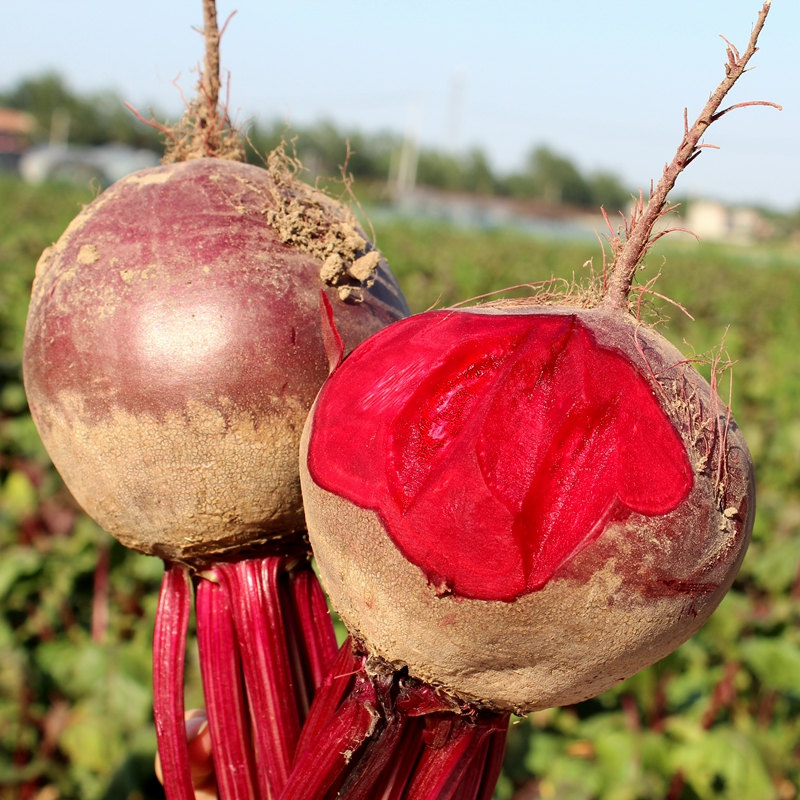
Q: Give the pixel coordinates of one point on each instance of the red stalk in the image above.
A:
(377, 772)
(252, 586)
(266, 644)
(336, 686)
(470, 786)
(169, 648)
(318, 638)
(480, 779)
(494, 758)
(226, 705)
(377, 736)
(318, 769)
(443, 763)
(387, 772)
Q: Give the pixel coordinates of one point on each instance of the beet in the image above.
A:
(524, 505)
(172, 352)
(517, 505)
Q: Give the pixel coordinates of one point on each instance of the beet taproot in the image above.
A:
(525, 505)
(173, 349)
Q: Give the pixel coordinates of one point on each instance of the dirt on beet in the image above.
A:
(310, 221)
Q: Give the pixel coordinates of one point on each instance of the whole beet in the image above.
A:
(173, 349)
(524, 506)
(554, 498)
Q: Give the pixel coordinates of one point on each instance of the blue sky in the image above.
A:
(603, 83)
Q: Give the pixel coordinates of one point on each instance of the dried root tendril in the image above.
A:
(706, 427)
(577, 293)
(638, 232)
(205, 130)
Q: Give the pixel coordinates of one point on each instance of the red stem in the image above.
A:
(226, 706)
(317, 634)
(407, 741)
(318, 769)
(252, 587)
(443, 764)
(382, 770)
(337, 685)
(493, 762)
(169, 649)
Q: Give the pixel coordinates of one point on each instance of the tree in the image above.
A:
(89, 120)
(556, 179)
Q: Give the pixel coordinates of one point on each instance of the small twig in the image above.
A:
(211, 71)
(639, 230)
(162, 129)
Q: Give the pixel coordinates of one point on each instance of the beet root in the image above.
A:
(524, 506)
(173, 349)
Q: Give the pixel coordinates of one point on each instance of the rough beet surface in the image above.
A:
(172, 352)
(449, 422)
(524, 506)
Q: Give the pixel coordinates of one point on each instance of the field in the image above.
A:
(720, 718)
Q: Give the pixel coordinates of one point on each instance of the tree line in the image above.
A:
(546, 176)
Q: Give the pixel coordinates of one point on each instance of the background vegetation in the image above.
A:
(720, 718)
(546, 178)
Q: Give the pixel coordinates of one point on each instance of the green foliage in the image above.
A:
(89, 120)
(31, 220)
(720, 718)
(324, 149)
(555, 180)
(75, 698)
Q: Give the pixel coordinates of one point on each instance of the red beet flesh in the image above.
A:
(450, 423)
(523, 506)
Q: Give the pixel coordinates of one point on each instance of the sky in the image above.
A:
(603, 83)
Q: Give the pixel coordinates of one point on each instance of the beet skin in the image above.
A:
(172, 351)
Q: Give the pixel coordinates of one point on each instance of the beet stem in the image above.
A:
(413, 743)
(493, 764)
(315, 622)
(321, 767)
(226, 706)
(336, 686)
(442, 766)
(370, 775)
(480, 779)
(252, 586)
(169, 652)
(391, 762)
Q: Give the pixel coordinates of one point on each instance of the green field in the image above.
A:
(720, 718)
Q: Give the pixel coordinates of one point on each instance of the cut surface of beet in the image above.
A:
(509, 442)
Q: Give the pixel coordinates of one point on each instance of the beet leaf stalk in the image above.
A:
(255, 632)
(223, 687)
(169, 652)
(373, 734)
